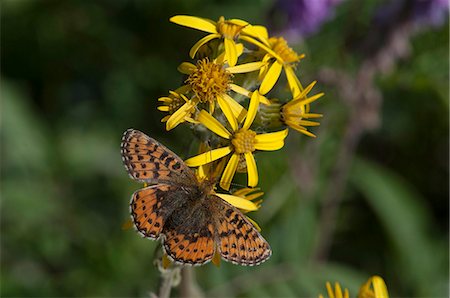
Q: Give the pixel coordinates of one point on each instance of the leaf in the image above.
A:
(405, 218)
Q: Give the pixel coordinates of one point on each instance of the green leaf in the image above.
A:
(405, 218)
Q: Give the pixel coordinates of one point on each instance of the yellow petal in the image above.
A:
(165, 99)
(238, 22)
(230, 52)
(264, 100)
(187, 68)
(271, 78)
(212, 124)
(257, 31)
(311, 99)
(195, 23)
(300, 129)
(308, 123)
(271, 137)
(178, 117)
(294, 84)
(254, 223)
(254, 196)
(272, 146)
(266, 48)
(163, 108)
(379, 287)
(246, 67)
(238, 111)
(338, 290)
(245, 191)
(309, 87)
(252, 109)
(252, 171)
(229, 172)
(312, 115)
(207, 157)
(228, 113)
(240, 90)
(238, 202)
(201, 42)
(330, 290)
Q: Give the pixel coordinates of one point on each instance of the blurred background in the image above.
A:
(368, 196)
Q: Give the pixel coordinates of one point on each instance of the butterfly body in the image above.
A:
(192, 222)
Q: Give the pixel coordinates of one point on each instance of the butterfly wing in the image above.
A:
(146, 211)
(189, 234)
(148, 161)
(238, 240)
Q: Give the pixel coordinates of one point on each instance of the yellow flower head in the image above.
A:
(294, 112)
(336, 292)
(373, 288)
(209, 80)
(227, 30)
(180, 109)
(242, 142)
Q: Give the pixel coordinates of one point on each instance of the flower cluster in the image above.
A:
(375, 287)
(225, 97)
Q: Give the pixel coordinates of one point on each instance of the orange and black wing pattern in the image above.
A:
(194, 247)
(148, 161)
(238, 240)
(146, 211)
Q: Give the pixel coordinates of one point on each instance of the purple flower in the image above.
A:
(422, 12)
(430, 12)
(305, 17)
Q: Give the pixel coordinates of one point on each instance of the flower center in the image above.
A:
(209, 80)
(244, 141)
(175, 104)
(228, 29)
(281, 47)
(292, 112)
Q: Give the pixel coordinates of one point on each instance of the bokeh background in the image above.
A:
(368, 196)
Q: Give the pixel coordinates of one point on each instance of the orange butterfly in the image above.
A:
(183, 212)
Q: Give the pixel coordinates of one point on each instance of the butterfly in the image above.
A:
(180, 210)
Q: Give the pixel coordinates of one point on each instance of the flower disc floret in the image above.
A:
(244, 141)
(209, 80)
(280, 46)
(229, 29)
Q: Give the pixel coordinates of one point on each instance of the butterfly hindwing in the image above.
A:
(148, 161)
(146, 211)
(193, 247)
(238, 240)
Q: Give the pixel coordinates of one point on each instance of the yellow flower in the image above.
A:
(210, 81)
(242, 142)
(228, 30)
(375, 287)
(180, 109)
(337, 292)
(294, 112)
(278, 56)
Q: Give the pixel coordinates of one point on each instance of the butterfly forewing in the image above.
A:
(148, 161)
